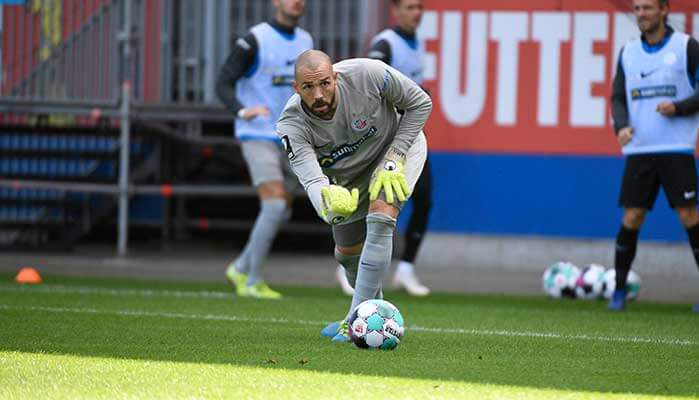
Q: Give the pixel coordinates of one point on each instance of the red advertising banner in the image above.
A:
(528, 77)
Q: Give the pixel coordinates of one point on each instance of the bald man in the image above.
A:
(356, 157)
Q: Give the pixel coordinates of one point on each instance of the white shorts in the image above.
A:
(353, 230)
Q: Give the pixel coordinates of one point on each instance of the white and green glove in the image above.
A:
(389, 177)
(338, 203)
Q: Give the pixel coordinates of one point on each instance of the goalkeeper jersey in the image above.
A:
(365, 125)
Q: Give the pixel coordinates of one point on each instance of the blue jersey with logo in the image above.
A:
(406, 54)
(268, 82)
(654, 75)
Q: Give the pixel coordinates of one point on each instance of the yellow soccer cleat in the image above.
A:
(260, 290)
(239, 280)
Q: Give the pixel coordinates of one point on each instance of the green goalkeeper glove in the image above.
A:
(338, 203)
(389, 177)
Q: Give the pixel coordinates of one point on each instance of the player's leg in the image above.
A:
(265, 167)
(343, 281)
(421, 197)
(381, 223)
(679, 180)
(373, 257)
(349, 241)
(690, 220)
(639, 190)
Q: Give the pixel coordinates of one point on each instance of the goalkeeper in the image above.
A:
(357, 159)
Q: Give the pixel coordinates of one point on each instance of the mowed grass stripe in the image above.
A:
(470, 332)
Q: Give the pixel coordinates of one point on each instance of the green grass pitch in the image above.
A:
(106, 338)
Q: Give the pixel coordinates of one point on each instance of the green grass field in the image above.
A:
(106, 338)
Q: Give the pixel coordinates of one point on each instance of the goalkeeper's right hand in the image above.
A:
(338, 203)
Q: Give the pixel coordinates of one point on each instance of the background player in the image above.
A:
(399, 47)
(254, 84)
(341, 131)
(655, 102)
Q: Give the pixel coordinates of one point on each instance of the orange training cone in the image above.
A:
(28, 275)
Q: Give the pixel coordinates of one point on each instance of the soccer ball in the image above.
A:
(559, 280)
(590, 283)
(633, 284)
(376, 324)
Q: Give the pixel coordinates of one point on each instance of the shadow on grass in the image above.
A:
(604, 366)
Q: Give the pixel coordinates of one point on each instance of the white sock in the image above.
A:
(272, 215)
(405, 267)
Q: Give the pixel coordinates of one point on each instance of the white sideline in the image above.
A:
(66, 289)
(470, 332)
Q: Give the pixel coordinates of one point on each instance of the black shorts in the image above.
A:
(645, 173)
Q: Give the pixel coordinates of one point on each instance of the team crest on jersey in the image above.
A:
(360, 123)
(670, 58)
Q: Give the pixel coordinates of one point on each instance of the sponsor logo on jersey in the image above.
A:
(653, 91)
(344, 150)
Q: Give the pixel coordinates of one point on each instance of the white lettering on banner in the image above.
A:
(550, 29)
(463, 109)
(588, 68)
(508, 29)
(428, 31)
(625, 30)
(464, 64)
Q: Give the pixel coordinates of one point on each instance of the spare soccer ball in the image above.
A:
(559, 280)
(376, 324)
(633, 284)
(590, 283)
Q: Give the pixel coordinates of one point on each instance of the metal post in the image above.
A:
(125, 147)
(124, 150)
(210, 50)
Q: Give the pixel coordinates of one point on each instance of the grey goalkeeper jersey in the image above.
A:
(349, 147)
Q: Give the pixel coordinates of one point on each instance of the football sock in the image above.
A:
(350, 263)
(626, 241)
(693, 234)
(272, 214)
(375, 258)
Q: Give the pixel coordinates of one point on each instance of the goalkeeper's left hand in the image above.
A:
(389, 177)
(338, 203)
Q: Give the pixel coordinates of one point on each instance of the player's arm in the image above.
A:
(620, 110)
(405, 95)
(332, 203)
(381, 50)
(690, 105)
(239, 63)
